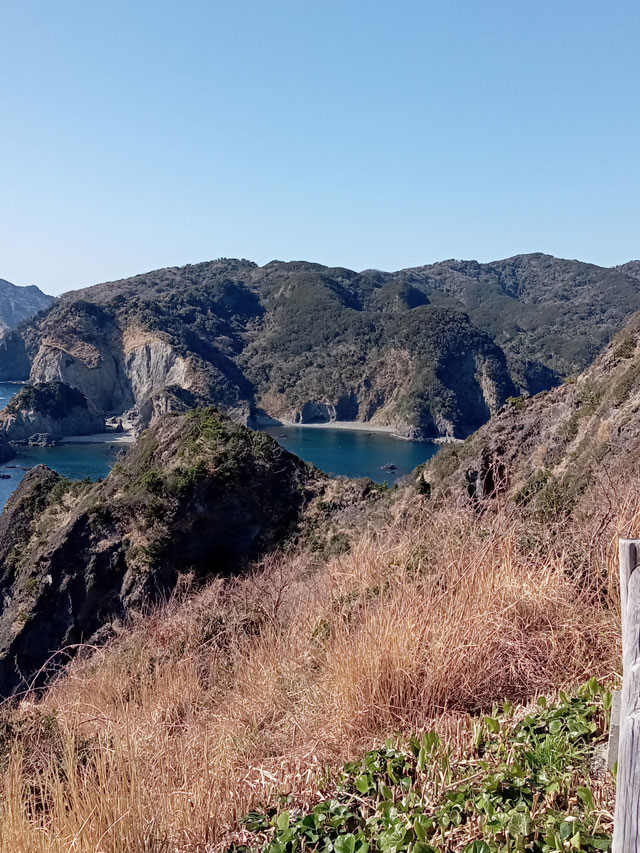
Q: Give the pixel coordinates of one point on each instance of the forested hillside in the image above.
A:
(430, 351)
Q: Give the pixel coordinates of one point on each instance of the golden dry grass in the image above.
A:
(229, 695)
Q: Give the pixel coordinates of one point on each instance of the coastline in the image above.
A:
(361, 426)
(100, 438)
(128, 436)
(356, 426)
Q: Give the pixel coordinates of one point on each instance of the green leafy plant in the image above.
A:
(524, 788)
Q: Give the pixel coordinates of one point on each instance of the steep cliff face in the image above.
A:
(547, 449)
(196, 494)
(430, 351)
(154, 365)
(20, 303)
(82, 348)
(51, 408)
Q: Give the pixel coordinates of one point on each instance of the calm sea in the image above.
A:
(354, 453)
(336, 451)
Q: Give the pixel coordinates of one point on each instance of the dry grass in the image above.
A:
(229, 695)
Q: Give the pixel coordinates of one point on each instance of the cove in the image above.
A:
(354, 453)
(349, 453)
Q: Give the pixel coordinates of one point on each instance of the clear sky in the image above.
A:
(138, 134)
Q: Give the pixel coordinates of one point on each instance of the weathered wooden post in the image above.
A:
(626, 834)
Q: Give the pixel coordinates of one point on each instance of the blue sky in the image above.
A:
(148, 133)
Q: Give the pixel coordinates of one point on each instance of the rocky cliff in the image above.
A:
(546, 450)
(14, 361)
(430, 351)
(196, 494)
(20, 303)
(51, 408)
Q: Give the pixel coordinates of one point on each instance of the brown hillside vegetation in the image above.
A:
(250, 687)
(546, 450)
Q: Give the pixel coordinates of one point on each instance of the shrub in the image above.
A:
(224, 697)
(625, 346)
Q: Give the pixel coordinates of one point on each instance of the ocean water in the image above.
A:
(7, 390)
(76, 461)
(336, 451)
(354, 453)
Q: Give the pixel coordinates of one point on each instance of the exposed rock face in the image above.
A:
(197, 493)
(550, 447)
(42, 439)
(51, 408)
(20, 303)
(432, 351)
(83, 348)
(153, 366)
(315, 412)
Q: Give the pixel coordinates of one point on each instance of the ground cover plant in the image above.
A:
(210, 707)
(517, 788)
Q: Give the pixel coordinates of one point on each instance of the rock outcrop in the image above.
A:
(50, 408)
(196, 494)
(20, 303)
(548, 448)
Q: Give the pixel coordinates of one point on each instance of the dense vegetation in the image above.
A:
(538, 308)
(433, 350)
(52, 399)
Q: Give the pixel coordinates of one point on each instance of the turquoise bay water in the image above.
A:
(336, 451)
(354, 453)
(75, 461)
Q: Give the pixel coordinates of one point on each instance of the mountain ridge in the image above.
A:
(432, 351)
(18, 303)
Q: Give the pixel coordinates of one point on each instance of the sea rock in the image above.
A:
(43, 439)
(51, 408)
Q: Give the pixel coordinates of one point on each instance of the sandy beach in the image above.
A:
(100, 438)
(354, 426)
(358, 426)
